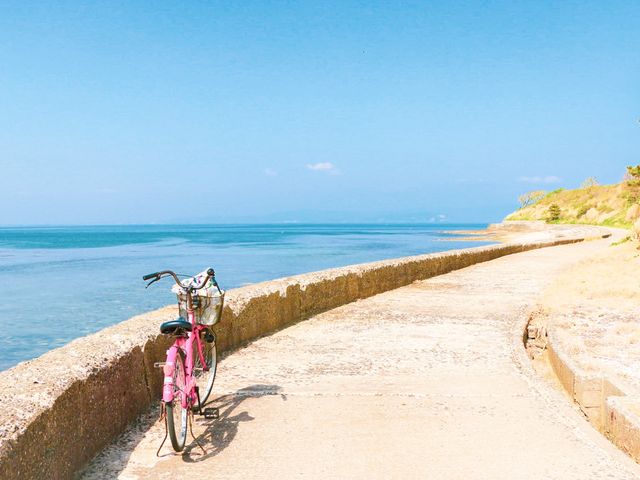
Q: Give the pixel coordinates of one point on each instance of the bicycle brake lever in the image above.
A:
(152, 281)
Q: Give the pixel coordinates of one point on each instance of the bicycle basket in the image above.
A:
(207, 306)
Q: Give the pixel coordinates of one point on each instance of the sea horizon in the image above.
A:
(223, 223)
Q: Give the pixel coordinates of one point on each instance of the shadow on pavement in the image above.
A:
(219, 433)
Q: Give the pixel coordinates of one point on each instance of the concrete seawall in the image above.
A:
(63, 407)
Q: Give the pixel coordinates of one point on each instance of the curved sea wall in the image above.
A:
(62, 408)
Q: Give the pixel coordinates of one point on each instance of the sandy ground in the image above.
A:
(427, 381)
(594, 309)
(521, 231)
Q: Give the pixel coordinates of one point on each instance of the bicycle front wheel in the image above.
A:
(205, 378)
(176, 414)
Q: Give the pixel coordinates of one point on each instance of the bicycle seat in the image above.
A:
(179, 326)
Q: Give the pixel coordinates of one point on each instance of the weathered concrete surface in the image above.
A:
(65, 406)
(426, 381)
(590, 325)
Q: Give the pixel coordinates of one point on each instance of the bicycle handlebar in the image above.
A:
(158, 275)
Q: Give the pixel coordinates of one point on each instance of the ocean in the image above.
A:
(60, 283)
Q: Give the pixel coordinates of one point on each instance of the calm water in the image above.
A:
(59, 283)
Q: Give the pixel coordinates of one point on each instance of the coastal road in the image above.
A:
(426, 381)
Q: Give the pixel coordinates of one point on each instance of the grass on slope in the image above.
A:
(611, 205)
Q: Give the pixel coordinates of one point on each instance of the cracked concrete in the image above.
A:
(425, 381)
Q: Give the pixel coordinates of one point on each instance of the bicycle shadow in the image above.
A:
(219, 433)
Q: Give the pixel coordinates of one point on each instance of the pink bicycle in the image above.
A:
(190, 367)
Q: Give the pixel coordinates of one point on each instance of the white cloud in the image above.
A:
(547, 179)
(269, 172)
(441, 217)
(323, 167)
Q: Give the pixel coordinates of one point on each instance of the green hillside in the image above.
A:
(611, 205)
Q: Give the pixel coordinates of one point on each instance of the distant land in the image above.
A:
(616, 205)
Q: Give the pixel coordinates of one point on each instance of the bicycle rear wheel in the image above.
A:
(176, 414)
(206, 378)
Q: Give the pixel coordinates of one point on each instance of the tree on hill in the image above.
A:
(632, 176)
(553, 213)
(530, 198)
(590, 182)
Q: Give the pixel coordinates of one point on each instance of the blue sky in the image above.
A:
(147, 112)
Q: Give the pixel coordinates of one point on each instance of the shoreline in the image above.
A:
(103, 267)
(524, 230)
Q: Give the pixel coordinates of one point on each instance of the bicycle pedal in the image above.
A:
(211, 413)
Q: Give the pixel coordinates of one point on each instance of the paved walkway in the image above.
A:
(427, 381)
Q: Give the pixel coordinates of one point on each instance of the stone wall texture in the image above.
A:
(62, 408)
(606, 403)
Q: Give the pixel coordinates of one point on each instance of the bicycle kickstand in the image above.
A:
(190, 416)
(163, 416)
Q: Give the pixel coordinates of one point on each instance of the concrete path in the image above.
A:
(427, 381)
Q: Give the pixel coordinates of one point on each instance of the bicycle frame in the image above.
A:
(189, 397)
